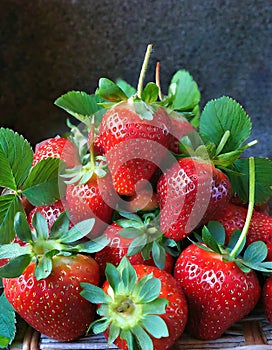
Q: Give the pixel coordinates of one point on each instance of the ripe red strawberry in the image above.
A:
(42, 279)
(233, 217)
(93, 199)
(58, 147)
(144, 200)
(218, 292)
(118, 248)
(267, 298)
(190, 193)
(146, 305)
(50, 212)
(133, 145)
(56, 297)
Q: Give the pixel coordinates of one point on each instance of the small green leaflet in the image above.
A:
(128, 89)
(150, 93)
(14, 148)
(184, 90)
(7, 322)
(110, 91)
(9, 205)
(263, 179)
(79, 104)
(221, 115)
(42, 185)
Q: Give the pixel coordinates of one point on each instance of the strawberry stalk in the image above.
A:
(143, 70)
(238, 244)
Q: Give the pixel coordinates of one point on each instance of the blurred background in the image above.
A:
(49, 47)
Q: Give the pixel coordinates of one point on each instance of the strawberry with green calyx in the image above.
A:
(89, 191)
(23, 183)
(141, 307)
(42, 279)
(190, 193)
(221, 287)
(141, 240)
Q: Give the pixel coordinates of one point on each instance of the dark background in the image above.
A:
(49, 47)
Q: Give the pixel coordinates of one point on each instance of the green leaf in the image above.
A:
(99, 326)
(22, 228)
(93, 246)
(150, 290)
(221, 115)
(94, 294)
(78, 231)
(110, 91)
(80, 105)
(209, 240)
(256, 252)
(137, 245)
(156, 326)
(128, 89)
(16, 266)
(113, 333)
(263, 179)
(144, 110)
(7, 322)
(42, 184)
(11, 250)
(150, 93)
(128, 337)
(9, 205)
(40, 225)
(113, 276)
(143, 338)
(155, 307)
(128, 273)
(13, 149)
(130, 232)
(159, 255)
(44, 267)
(60, 226)
(218, 232)
(184, 91)
(234, 239)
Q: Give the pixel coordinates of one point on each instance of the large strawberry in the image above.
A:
(267, 298)
(220, 289)
(233, 217)
(190, 193)
(42, 279)
(141, 240)
(140, 307)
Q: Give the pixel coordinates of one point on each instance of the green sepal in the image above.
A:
(137, 245)
(14, 148)
(80, 105)
(110, 91)
(128, 273)
(16, 266)
(12, 250)
(128, 337)
(22, 228)
(44, 266)
(234, 239)
(218, 232)
(40, 225)
(10, 204)
(113, 276)
(144, 110)
(60, 226)
(7, 322)
(210, 241)
(144, 340)
(156, 307)
(128, 89)
(94, 294)
(78, 231)
(99, 326)
(159, 255)
(42, 185)
(113, 333)
(93, 246)
(256, 252)
(150, 290)
(150, 93)
(129, 232)
(156, 326)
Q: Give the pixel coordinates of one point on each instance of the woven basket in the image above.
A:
(254, 332)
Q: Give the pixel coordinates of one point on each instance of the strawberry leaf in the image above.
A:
(150, 93)
(150, 290)
(16, 266)
(9, 205)
(7, 322)
(113, 276)
(44, 267)
(156, 326)
(22, 228)
(128, 89)
(42, 185)
(80, 105)
(159, 255)
(224, 115)
(110, 91)
(239, 177)
(256, 252)
(78, 231)
(143, 338)
(209, 240)
(184, 91)
(218, 232)
(234, 239)
(155, 307)
(113, 333)
(94, 294)
(14, 148)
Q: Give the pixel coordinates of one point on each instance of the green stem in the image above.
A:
(223, 141)
(250, 207)
(91, 142)
(143, 70)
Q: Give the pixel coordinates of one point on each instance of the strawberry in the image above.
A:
(133, 145)
(151, 251)
(42, 279)
(189, 194)
(233, 217)
(267, 298)
(147, 308)
(57, 147)
(50, 212)
(143, 200)
(218, 292)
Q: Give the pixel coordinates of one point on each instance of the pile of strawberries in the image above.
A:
(148, 209)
